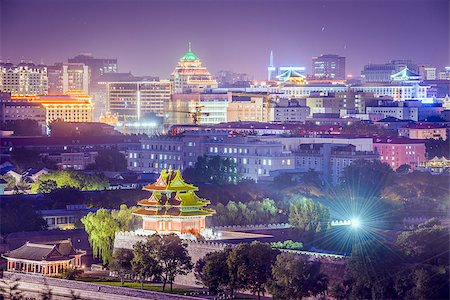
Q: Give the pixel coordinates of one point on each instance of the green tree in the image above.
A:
(23, 159)
(66, 178)
(25, 127)
(213, 272)
(288, 244)
(294, 277)
(370, 268)
(216, 170)
(145, 263)
(102, 227)
(426, 244)
(308, 215)
(10, 182)
(403, 169)
(121, 263)
(18, 215)
(173, 256)
(366, 178)
(250, 267)
(437, 148)
(47, 186)
(109, 160)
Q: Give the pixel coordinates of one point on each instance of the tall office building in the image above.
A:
(23, 79)
(63, 77)
(97, 66)
(137, 100)
(190, 76)
(330, 66)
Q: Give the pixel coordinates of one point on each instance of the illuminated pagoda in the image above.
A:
(190, 76)
(173, 207)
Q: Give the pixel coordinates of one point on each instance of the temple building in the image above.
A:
(44, 259)
(173, 207)
(190, 76)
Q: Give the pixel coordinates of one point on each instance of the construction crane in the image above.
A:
(195, 115)
(267, 100)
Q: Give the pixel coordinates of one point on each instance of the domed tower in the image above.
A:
(173, 206)
(190, 76)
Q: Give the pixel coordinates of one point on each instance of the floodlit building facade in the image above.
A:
(255, 159)
(68, 76)
(190, 76)
(23, 79)
(330, 66)
(397, 151)
(74, 106)
(134, 100)
(197, 108)
(424, 131)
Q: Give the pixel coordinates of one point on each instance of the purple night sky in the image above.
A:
(148, 37)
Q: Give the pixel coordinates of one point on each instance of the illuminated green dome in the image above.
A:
(189, 55)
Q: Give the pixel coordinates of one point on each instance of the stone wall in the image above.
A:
(196, 249)
(89, 290)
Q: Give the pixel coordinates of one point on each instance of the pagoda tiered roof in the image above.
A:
(170, 181)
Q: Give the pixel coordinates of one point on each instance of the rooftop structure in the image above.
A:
(173, 206)
(190, 75)
(43, 259)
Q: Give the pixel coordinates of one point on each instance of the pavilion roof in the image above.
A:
(170, 181)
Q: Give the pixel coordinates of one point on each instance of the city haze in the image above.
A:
(148, 37)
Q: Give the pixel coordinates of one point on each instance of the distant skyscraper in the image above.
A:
(23, 79)
(232, 79)
(68, 76)
(137, 100)
(329, 66)
(190, 76)
(97, 66)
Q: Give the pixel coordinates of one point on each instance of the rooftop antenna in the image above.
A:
(190, 47)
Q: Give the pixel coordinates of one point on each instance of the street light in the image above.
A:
(355, 223)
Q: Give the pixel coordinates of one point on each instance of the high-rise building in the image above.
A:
(23, 79)
(330, 66)
(232, 79)
(427, 72)
(197, 108)
(63, 77)
(190, 76)
(98, 66)
(136, 100)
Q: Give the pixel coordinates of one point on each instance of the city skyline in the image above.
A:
(234, 44)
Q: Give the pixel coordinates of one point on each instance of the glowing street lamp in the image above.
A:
(355, 223)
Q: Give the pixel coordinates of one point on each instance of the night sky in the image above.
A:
(148, 37)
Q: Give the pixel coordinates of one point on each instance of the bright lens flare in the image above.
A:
(355, 223)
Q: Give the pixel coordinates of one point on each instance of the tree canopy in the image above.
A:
(216, 169)
(294, 277)
(253, 212)
(109, 160)
(102, 227)
(17, 215)
(308, 215)
(366, 178)
(65, 178)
